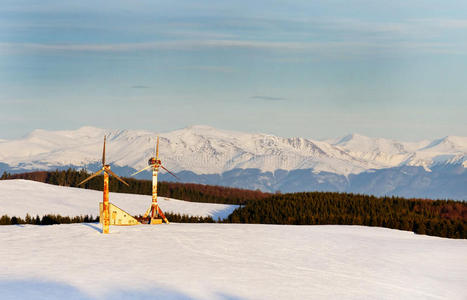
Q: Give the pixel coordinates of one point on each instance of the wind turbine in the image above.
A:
(154, 163)
(105, 204)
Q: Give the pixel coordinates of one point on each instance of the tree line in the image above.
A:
(444, 218)
(52, 219)
(178, 218)
(49, 219)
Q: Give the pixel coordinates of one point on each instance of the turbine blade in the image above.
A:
(91, 177)
(170, 172)
(150, 166)
(116, 176)
(157, 148)
(103, 153)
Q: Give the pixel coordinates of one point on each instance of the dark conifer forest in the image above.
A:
(58, 219)
(46, 220)
(444, 218)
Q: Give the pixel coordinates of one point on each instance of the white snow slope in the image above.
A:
(206, 150)
(228, 261)
(212, 261)
(19, 197)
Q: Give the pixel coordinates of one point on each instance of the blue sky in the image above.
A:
(315, 69)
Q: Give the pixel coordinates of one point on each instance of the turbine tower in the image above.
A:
(105, 204)
(155, 211)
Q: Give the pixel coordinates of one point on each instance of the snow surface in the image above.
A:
(206, 150)
(228, 261)
(19, 197)
(212, 261)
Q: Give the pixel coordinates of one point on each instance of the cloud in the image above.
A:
(165, 45)
(140, 87)
(323, 36)
(441, 23)
(220, 69)
(15, 101)
(268, 98)
(348, 48)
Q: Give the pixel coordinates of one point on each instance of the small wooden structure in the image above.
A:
(118, 216)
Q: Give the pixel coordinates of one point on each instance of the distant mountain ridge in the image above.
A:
(251, 160)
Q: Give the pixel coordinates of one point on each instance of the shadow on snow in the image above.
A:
(42, 290)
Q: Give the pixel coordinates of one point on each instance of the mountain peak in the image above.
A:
(448, 143)
(350, 137)
(208, 131)
(88, 128)
(200, 127)
(204, 149)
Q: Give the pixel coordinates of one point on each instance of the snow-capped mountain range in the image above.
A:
(202, 152)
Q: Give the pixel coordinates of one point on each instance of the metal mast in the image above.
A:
(155, 211)
(105, 202)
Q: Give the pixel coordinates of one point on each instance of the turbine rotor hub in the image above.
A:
(154, 161)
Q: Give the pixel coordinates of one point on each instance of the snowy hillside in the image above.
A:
(205, 150)
(228, 261)
(211, 261)
(19, 197)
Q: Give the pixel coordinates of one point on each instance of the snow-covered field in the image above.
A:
(228, 261)
(19, 197)
(212, 261)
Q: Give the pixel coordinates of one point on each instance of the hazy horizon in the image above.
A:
(327, 139)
